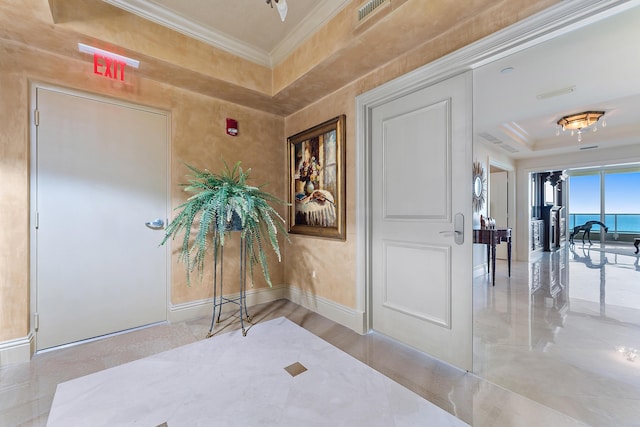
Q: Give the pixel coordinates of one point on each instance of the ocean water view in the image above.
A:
(607, 190)
(617, 223)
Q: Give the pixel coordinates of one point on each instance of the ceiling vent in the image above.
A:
(369, 7)
(500, 143)
(492, 139)
(509, 148)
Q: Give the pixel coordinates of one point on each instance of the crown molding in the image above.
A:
(166, 18)
(545, 25)
(554, 21)
(318, 17)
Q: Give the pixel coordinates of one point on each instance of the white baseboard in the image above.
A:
(21, 349)
(16, 351)
(345, 316)
(195, 309)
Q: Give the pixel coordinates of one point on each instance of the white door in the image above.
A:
(421, 181)
(498, 205)
(100, 174)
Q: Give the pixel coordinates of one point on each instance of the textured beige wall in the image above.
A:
(201, 86)
(123, 30)
(343, 51)
(332, 260)
(166, 56)
(14, 215)
(335, 262)
(199, 139)
(197, 136)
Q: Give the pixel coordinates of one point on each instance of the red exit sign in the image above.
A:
(108, 67)
(108, 64)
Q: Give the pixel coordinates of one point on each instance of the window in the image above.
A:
(584, 198)
(619, 210)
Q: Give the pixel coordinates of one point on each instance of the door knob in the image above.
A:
(458, 226)
(458, 229)
(156, 224)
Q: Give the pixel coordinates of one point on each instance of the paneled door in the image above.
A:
(421, 248)
(99, 174)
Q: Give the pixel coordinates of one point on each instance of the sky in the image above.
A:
(622, 191)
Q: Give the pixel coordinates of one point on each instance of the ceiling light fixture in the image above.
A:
(281, 5)
(580, 121)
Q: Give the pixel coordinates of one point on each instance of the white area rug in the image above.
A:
(231, 380)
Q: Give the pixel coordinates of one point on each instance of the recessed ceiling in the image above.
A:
(247, 28)
(591, 68)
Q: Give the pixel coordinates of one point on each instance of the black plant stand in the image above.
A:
(241, 299)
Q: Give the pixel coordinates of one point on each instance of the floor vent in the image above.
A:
(369, 7)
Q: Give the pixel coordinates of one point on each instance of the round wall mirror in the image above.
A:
(478, 186)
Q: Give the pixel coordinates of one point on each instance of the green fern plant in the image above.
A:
(217, 202)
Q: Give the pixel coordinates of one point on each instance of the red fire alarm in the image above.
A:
(232, 127)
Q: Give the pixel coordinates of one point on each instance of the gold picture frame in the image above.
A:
(317, 180)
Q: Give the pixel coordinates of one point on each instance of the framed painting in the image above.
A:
(316, 180)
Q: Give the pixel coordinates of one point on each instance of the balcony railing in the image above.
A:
(619, 224)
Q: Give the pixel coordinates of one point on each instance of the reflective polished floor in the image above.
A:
(275, 376)
(562, 331)
(27, 389)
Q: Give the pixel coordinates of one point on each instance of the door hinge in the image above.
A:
(36, 321)
(37, 220)
(36, 117)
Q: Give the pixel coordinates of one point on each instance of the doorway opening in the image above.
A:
(499, 200)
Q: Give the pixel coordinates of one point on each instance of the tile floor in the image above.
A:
(233, 380)
(550, 332)
(27, 390)
(544, 349)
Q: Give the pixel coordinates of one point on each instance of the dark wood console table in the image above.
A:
(492, 237)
